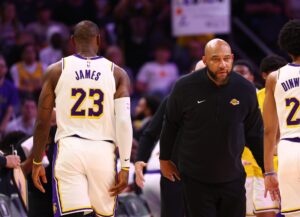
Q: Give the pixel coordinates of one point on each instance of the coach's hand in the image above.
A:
(121, 184)
(169, 170)
(139, 176)
(38, 174)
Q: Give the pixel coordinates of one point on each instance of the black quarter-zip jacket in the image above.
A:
(215, 123)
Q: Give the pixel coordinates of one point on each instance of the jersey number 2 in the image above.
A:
(80, 94)
(291, 120)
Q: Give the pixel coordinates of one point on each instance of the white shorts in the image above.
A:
(256, 202)
(289, 176)
(83, 173)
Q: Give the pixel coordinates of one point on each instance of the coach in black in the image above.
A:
(217, 113)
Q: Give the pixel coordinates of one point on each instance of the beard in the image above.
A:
(215, 78)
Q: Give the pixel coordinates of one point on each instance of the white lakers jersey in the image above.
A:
(85, 98)
(287, 97)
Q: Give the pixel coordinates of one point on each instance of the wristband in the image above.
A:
(269, 173)
(37, 163)
(125, 168)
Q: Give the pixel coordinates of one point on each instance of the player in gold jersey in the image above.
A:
(257, 204)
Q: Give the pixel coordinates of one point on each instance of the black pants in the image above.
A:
(172, 198)
(215, 200)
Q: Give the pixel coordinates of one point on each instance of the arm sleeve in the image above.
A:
(151, 134)
(123, 130)
(254, 132)
(171, 124)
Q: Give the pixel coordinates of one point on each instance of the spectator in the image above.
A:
(133, 27)
(40, 28)
(53, 52)
(157, 77)
(27, 73)
(245, 69)
(25, 122)
(144, 111)
(8, 97)
(14, 54)
(115, 54)
(9, 25)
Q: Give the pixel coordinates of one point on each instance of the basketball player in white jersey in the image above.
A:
(91, 96)
(281, 109)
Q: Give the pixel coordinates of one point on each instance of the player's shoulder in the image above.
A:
(272, 78)
(54, 67)
(53, 72)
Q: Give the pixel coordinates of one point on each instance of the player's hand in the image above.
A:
(38, 175)
(139, 176)
(271, 186)
(169, 170)
(121, 183)
(12, 161)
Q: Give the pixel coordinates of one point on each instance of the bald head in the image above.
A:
(215, 44)
(218, 58)
(85, 31)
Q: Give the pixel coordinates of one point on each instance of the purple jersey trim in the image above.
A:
(295, 139)
(294, 64)
(153, 171)
(85, 58)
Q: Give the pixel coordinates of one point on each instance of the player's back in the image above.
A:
(85, 98)
(287, 92)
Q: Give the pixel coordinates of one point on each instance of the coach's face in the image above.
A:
(218, 59)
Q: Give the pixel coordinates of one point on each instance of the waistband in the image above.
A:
(77, 136)
(152, 172)
(295, 139)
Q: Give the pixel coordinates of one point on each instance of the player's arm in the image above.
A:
(42, 124)
(270, 133)
(270, 123)
(253, 128)
(123, 126)
(45, 108)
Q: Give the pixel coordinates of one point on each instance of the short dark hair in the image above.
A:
(289, 37)
(85, 30)
(246, 63)
(271, 63)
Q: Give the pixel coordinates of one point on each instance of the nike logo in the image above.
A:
(200, 101)
(126, 159)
